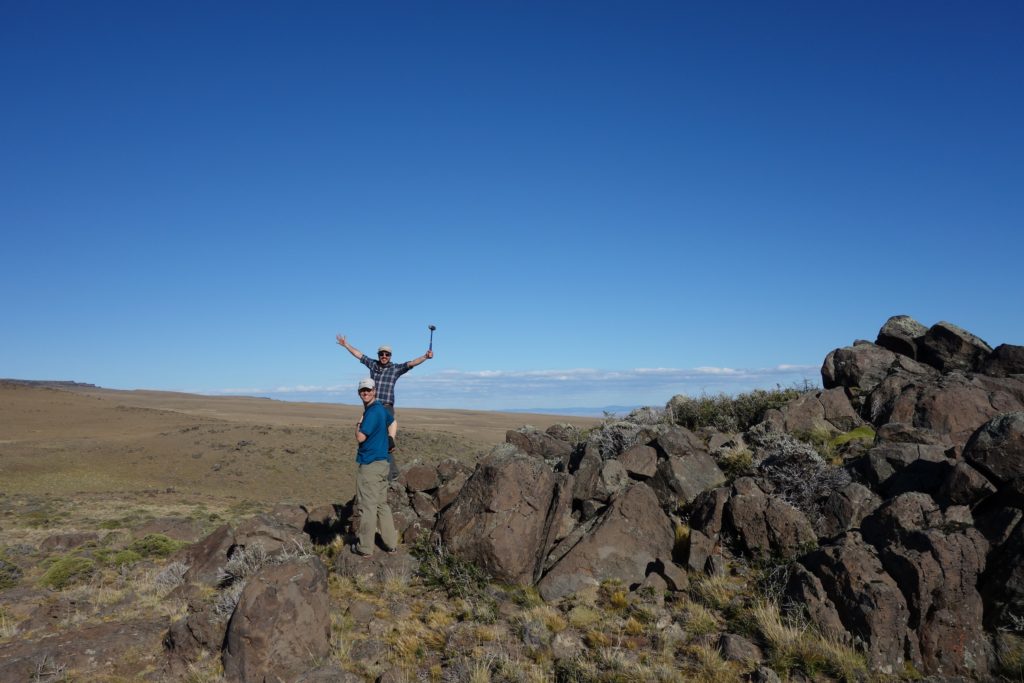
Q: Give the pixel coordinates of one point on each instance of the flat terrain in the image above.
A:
(82, 441)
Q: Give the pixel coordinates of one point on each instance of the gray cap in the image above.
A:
(367, 383)
(383, 347)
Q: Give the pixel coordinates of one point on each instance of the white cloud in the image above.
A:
(565, 388)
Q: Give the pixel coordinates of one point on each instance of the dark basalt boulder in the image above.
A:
(817, 411)
(1004, 361)
(954, 404)
(681, 478)
(851, 593)
(532, 441)
(895, 468)
(936, 557)
(860, 368)
(500, 518)
(767, 526)
(844, 509)
(1003, 583)
(625, 544)
(947, 347)
(997, 450)
(901, 334)
(964, 485)
(281, 624)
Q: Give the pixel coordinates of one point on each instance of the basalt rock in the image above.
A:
(948, 347)
(997, 450)
(936, 558)
(624, 544)
(500, 518)
(681, 478)
(828, 411)
(851, 588)
(901, 334)
(860, 368)
(1004, 361)
(281, 624)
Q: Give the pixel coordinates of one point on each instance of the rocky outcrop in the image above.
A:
(936, 558)
(624, 544)
(281, 624)
(500, 518)
(848, 591)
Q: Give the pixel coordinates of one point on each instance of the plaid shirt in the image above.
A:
(385, 376)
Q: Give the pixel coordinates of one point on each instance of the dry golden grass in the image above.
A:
(709, 666)
(716, 591)
(76, 441)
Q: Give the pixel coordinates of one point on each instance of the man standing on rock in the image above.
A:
(385, 374)
(372, 477)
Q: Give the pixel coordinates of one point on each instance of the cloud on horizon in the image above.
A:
(548, 389)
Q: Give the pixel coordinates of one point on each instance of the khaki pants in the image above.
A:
(374, 512)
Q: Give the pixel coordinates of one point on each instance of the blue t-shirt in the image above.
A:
(376, 421)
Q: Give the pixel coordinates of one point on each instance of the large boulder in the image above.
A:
(532, 441)
(895, 468)
(1003, 583)
(500, 518)
(862, 367)
(901, 334)
(854, 590)
(936, 558)
(997, 449)
(955, 404)
(1005, 360)
(281, 624)
(679, 441)
(680, 478)
(640, 461)
(765, 525)
(948, 347)
(624, 544)
(844, 509)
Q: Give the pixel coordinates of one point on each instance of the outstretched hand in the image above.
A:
(429, 354)
(341, 340)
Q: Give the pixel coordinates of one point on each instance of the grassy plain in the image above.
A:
(185, 448)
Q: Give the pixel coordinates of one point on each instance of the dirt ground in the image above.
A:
(71, 441)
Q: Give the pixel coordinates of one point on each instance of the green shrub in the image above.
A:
(736, 463)
(155, 545)
(10, 574)
(439, 568)
(730, 413)
(125, 558)
(66, 571)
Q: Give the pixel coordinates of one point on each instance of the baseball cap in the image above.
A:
(383, 347)
(367, 383)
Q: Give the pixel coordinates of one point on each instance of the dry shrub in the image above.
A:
(726, 413)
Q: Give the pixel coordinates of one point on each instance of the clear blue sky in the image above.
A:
(199, 196)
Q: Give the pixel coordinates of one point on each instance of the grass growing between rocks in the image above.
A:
(446, 621)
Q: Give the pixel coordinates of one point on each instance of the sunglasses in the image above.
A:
(384, 353)
(365, 391)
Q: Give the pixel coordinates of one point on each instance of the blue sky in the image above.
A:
(596, 203)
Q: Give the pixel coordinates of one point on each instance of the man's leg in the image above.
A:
(386, 523)
(372, 491)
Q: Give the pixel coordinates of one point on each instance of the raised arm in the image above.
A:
(351, 349)
(416, 361)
